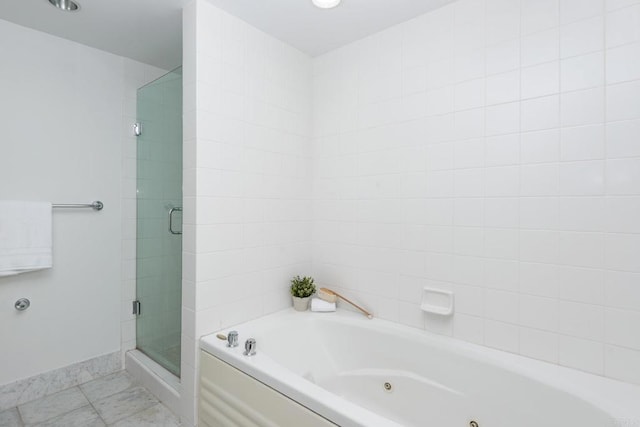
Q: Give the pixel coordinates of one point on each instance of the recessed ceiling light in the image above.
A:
(66, 5)
(323, 4)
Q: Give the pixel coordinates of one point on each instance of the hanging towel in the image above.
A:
(320, 305)
(25, 237)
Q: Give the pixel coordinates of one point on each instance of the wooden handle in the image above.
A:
(365, 312)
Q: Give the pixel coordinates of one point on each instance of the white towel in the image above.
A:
(318, 304)
(25, 237)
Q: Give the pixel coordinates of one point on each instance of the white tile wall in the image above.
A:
(490, 147)
(487, 148)
(247, 175)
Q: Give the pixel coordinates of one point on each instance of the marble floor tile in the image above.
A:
(124, 404)
(38, 386)
(106, 386)
(52, 406)
(10, 418)
(82, 417)
(156, 416)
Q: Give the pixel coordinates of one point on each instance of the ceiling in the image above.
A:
(150, 30)
(316, 31)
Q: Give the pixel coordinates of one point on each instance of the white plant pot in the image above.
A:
(301, 304)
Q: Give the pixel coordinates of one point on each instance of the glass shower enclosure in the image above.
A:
(159, 220)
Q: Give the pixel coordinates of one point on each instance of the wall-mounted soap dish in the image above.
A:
(437, 301)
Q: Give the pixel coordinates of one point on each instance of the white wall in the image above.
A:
(247, 181)
(491, 148)
(62, 135)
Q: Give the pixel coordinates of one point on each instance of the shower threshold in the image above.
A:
(159, 381)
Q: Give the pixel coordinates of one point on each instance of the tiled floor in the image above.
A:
(115, 400)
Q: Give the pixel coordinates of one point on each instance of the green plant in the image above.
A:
(302, 287)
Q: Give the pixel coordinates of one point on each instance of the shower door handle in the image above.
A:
(171, 211)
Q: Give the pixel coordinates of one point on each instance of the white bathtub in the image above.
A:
(337, 364)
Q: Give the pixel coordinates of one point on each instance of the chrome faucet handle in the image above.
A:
(232, 339)
(250, 347)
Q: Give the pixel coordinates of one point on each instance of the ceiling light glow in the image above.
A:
(326, 4)
(66, 5)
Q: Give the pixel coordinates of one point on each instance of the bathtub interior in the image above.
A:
(409, 382)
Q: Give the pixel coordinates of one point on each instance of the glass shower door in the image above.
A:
(159, 220)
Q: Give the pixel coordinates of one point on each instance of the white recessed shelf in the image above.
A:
(437, 301)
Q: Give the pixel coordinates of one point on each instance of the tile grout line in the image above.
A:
(158, 402)
(58, 415)
(20, 416)
(90, 402)
(92, 406)
(605, 181)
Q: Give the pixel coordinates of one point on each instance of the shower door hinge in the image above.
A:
(137, 129)
(136, 308)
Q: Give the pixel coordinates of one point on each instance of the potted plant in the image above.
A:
(301, 291)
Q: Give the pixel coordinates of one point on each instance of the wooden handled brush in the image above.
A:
(332, 296)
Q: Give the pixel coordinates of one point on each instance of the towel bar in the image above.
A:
(97, 205)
